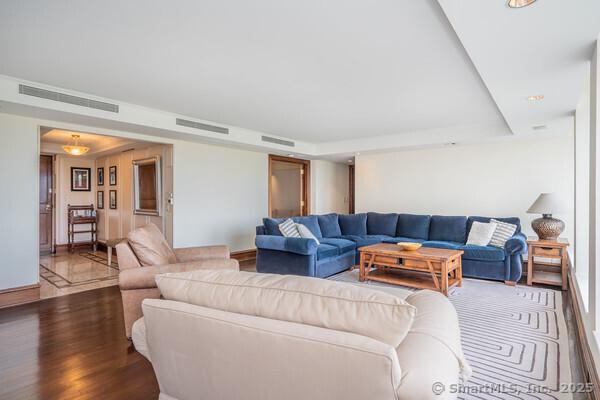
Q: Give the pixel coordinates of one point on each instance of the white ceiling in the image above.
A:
(313, 70)
(345, 75)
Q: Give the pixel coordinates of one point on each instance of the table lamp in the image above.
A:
(547, 227)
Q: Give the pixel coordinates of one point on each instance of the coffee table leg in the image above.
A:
(361, 267)
(459, 273)
(445, 278)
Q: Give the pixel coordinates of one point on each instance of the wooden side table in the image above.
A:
(547, 272)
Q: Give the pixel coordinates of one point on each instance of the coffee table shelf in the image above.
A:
(425, 268)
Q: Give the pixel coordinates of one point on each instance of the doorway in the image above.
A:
(46, 204)
(289, 186)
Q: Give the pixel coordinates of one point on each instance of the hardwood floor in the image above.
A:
(71, 347)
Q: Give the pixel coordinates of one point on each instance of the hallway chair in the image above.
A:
(145, 253)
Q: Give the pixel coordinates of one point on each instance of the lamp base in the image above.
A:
(548, 228)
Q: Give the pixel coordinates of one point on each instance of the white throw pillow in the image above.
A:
(288, 228)
(306, 233)
(318, 302)
(481, 233)
(503, 232)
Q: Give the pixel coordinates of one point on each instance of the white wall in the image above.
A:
(329, 187)
(220, 195)
(495, 179)
(19, 201)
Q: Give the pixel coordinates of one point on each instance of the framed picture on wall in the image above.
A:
(100, 199)
(81, 179)
(112, 175)
(100, 176)
(112, 199)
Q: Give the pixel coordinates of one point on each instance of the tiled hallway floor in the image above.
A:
(66, 273)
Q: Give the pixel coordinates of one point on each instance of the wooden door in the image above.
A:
(301, 182)
(46, 204)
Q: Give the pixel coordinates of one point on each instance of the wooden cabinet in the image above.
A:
(547, 262)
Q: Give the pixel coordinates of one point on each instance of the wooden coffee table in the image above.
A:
(425, 268)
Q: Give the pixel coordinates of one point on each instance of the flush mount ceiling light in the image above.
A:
(520, 3)
(537, 97)
(75, 149)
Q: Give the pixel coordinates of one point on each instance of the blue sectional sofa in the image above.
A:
(341, 235)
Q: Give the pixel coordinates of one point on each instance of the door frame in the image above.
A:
(52, 201)
(305, 209)
(351, 189)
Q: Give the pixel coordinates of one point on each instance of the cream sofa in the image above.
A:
(227, 335)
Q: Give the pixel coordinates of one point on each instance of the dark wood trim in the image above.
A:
(19, 295)
(305, 183)
(244, 255)
(351, 189)
(590, 374)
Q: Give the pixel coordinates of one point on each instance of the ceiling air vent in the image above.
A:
(204, 127)
(67, 98)
(278, 141)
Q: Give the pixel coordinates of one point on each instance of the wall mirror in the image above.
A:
(147, 186)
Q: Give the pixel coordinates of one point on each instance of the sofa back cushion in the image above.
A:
(509, 220)
(449, 229)
(330, 226)
(311, 222)
(272, 226)
(312, 301)
(382, 224)
(353, 224)
(150, 246)
(413, 226)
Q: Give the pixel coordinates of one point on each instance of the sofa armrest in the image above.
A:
(143, 277)
(301, 246)
(201, 253)
(516, 244)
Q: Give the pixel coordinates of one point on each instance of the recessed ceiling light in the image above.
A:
(520, 3)
(350, 161)
(539, 127)
(537, 97)
(291, 155)
(357, 153)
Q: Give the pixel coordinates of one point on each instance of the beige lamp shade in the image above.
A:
(546, 203)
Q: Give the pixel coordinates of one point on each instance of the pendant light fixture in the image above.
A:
(75, 149)
(520, 3)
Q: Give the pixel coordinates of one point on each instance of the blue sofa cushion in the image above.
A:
(326, 251)
(449, 229)
(353, 224)
(363, 240)
(382, 224)
(402, 239)
(413, 226)
(311, 222)
(509, 220)
(483, 253)
(329, 225)
(294, 245)
(272, 226)
(440, 244)
(343, 245)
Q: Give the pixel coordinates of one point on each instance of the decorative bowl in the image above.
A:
(409, 246)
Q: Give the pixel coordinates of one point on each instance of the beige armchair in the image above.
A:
(145, 253)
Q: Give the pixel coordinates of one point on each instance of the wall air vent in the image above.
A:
(204, 127)
(278, 141)
(67, 98)
(540, 127)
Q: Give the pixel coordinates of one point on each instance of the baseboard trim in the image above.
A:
(590, 373)
(244, 255)
(19, 295)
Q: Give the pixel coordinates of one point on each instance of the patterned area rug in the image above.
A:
(515, 338)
